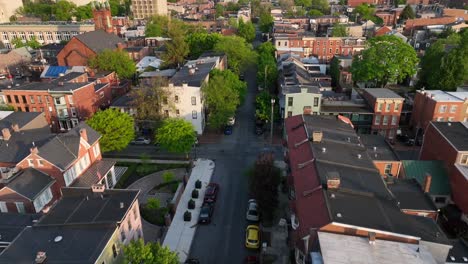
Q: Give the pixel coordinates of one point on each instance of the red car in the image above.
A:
(211, 193)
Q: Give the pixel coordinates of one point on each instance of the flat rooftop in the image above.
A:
(442, 96)
(377, 147)
(455, 132)
(382, 93)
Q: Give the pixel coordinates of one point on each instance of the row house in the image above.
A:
(35, 163)
(447, 142)
(87, 225)
(387, 106)
(333, 182)
(65, 101)
(436, 105)
(324, 48)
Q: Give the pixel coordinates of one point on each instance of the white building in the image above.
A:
(8, 8)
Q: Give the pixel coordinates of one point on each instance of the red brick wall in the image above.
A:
(21, 106)
(354, 3)
(75, 53)
(10, 197)
(428, 214)
(459, 186)
(395, 171)
(85, 101)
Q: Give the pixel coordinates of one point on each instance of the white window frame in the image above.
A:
(40, 162)
(194, 100)
(453, 109)
(464, 159)
(442, 108)
(388, 167)
(20, 207)
(194, 114)
(377, 120)
(394, 120)
(44, 198)
(31, 163)
(96, 150)
(3, 207)
(387, 107)
(379, 107)
(385, 120)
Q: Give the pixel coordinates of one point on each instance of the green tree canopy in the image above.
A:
(246, 30)
(33, 43)
(115, 127)
(176, 135)
(263, 106)
(176, 48)
(386, 59)
(202, 42)
(335, 71)
(63, 10)
(364, 11)
(239, 53)
(407, 13)
(157, 26)
(148, 100)
(232, 81)
(267, 66)
(219, 10)
(265, 22)
(315, 13)
(114, 60)
(83, 12)
(339, 30)
(137, 252)
(221, 100)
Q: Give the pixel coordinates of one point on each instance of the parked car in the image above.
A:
(231, 121)
(410, 142)
(206, 212)
(228, 130)
(192, 261)
(259, 127)
(252, 237)
(211, 193)
(2, 76)
(252, 211)
(141, 141)
(241, 77)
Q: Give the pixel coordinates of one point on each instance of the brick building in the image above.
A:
(436, 105)
(447, 141)
(35, 163)
(355, 3)
(387, 106)
(82, 47)
(324, 48)
(67, 100)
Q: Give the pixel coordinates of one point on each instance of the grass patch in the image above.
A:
(166, 187)
(136, 171)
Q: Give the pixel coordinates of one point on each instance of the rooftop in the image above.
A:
(290, 89)
(20, 118)
(411, 196)
(418, 169)
(99, 40)
(455, 132)
(377, 147)
(11, 224)
(50, 86)
(30, 183)
(194, 73)
(94, 173)
(442, 96)
(123, 101)
(382, 93)
(459, 252)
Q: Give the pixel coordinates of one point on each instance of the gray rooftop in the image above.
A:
(411, 196)
(290, 89)
(377, 147)
(100, 40)
(30, 183)
(202, 70)
(52, 86)
(455, 132)
(94, 173)
(382, 93)
(123, 101)
(11, 224)
(19, 118)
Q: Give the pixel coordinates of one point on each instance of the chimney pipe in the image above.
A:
(371, 236)
(427, 183)
(15, 127)
(6, 134)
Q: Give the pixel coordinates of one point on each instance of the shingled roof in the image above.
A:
(99, 40)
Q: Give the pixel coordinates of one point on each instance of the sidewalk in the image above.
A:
(180, 235)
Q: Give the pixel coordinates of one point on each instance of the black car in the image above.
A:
(206, 212)
(192, 261)
(259, 127)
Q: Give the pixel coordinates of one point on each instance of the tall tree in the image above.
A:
(83, 12)
(232, 81)
(176, 48)
(114, 60)
(321, 5)
(221, 100)
(239, 53)
(265, 22)
(63, 10)
(315, 13)
(407, 13)
(267, 73)
(115, 127)
(386, 59)
(219, 8)
(138, 252)
(364, 11)
(246, 30)
(176, 135)
(263, 106)
(335, 71)
(202, 42)
(157, 26)
(339, 30)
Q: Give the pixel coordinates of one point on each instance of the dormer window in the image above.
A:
(30, 162)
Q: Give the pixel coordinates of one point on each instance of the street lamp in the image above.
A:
(271, 120)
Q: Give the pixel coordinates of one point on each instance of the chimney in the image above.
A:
(84, 134)
(427, 183)
(98, 188)
(122, 205)
(34, 150)
(6, 134)
(333, 180)
(40, 257)
(15, 127)
(191, 71)
(317, 136)
(371, 236)
(60, 83)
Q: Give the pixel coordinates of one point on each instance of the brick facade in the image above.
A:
(75, 53)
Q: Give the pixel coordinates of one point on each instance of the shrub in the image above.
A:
(154, 216)
(198, 184)
(168, 176)
(187, 216)
(195, 194)
(153, 204)
(191, 204)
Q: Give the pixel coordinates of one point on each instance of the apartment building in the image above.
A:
(142, 9)
(44, 32)
(436, 105)
(447, 142)
(65, 101)
(324, 48)
(35, 163)
(387, 106)
(88, 225)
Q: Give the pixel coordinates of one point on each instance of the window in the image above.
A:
(31, 163)
(464, 159)
(290, 101)
(388, 168)
(177, 112)
(129, 223)
(9, 99)
(165, 100)
(194, 114)
(394, 120)
(135, 215)
(114, 251)
(289, 113)
(397, 107)
(73, 111)
(440, 200)
(379, 107)
(385, 120)
(42, 200)
(101, 94)
(41, 109)
(194, 100)
(453, 109)
(59, 100)
(26, 109)
(3, 207)
(34, 109)
(20, 207)
(442, 109)
(377, 120)
(40, 163)
(387, 107)
(24, 99)
(450, 119)
(166, 113)
(440, 119)
(16, 99)
(96, 150)
(31, 99)
(316, 101)
(70, 99)
(39, 99)
(176, 98)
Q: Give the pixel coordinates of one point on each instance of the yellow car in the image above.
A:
(252, 237)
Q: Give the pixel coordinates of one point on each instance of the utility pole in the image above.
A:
(271, 120)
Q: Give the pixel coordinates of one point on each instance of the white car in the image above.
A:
(231, 121)
(252, 211)
(141, 141)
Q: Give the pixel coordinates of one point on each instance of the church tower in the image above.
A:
(102, 16)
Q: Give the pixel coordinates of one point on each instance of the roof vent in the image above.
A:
(40, 257)
(58, 239)
(324, 150)
(359, 156)
(122, 205)
(317, 136)
(98, 188)
(348, 139)
(452, 258)
(449, 124)
(375, 148)
(60, 83)
(332, 195)
(302, 165)
(465, 259)
(339, 215)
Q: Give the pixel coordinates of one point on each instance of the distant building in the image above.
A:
(145, 9)
(8, 9)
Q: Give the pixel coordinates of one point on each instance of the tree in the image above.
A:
(83, 12)
(264, 182)
(219, 10)
(148, 100)
(321, 5)
(202, 42)
(265, 22)
(239, 53)
(339, 30)
(386, 59)
(364, 11)
(407, 13)
(176, 135)
(176, 48)
(315, 13)
(137, 252)
(116, 128)
(267, 66)
(335, 71)
(157, 26)
(32, 43)
(114, 60)
(232, 81)
(63, 10)
(246, 30)
(221, 100)
(263, 106)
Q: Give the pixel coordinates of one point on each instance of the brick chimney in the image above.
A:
(333, 180)
(40, 257)
(84, 134)
(98, 188)
(317, 136)
(6, 134)
(371, 236)
(427, 183)
(15, 127)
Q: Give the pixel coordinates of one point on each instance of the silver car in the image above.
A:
(252, 211)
